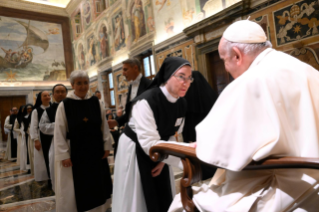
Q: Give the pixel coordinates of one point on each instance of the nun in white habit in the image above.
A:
(270, 109)
(82, 141)
(41, 141)
(22, 127)
(157, 114)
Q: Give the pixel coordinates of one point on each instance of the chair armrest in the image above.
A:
(192, 169)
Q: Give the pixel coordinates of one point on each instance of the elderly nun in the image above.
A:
(82, 141)
(157, 115)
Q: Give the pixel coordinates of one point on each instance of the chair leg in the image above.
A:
(191, 174)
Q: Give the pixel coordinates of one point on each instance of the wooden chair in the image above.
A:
(192, 169)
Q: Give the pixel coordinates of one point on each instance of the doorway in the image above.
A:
(217, 73)
(6, 103)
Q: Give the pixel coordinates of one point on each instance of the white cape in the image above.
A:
(270, 110)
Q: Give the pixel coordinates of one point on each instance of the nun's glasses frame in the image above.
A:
(181, 78)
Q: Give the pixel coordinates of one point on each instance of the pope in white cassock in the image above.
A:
(270, 109)
(140, 185)
(82, 141)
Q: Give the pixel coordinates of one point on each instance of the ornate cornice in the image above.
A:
(143, 44)
(34, 7)
(180, 37)
(73, 4)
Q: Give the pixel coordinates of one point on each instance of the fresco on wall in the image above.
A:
(92, 55)
(103, 41)
(118, 31)
(121, 82)
(138, 25)
(296, 22)
(31, 50)
(86, 13)
(81, 64)
(171, 17)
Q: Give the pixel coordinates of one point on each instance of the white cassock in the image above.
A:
(127, 189)
(24, 150)
(47, 127)
(270, 110)
(40, 170)
(64, 188)
(7, 126)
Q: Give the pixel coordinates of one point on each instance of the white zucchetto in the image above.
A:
(245, 31)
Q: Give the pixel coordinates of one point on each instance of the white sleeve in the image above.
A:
(45, 126)
(7, 124)
(61, 146)
(147, 133)
(34, 130)
(16, 127)
(107, 136)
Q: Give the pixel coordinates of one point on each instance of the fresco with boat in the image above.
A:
(31, 50)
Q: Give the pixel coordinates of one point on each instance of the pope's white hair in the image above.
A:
(78, 74)
(246, 48)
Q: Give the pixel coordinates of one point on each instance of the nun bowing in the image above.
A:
(82, 141)
(157, 115)
(41, 141)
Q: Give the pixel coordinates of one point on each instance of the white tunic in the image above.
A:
(24, 150)
(127, 190)
(47, 127)
(64, 189)
(270, 110)
(40, 170)
(7, 126)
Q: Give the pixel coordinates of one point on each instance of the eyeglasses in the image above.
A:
(184, 79)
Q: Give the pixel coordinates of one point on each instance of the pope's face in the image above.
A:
(59, 93)
(81, 87)
(179, 83)
(45, 98)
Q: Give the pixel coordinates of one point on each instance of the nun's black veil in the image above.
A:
(38, 101)
(168, 68)
(20, 114)
(200, 99)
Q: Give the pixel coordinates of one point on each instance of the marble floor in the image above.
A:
(19, 192)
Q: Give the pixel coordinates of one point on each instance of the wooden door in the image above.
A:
(219, 76)
(6, 103)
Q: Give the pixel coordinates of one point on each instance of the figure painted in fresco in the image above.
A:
(169, 26)
(87, 12)
(104, 42)
(81, 57)
(119, 34)
(138, 21)
(92, 51)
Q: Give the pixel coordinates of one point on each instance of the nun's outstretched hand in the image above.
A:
(158, 169)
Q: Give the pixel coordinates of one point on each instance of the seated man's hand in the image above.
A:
(37, 145)
(194, 145)
(112, 123)
(67, 163)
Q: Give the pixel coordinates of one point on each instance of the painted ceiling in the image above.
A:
(57, 3)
